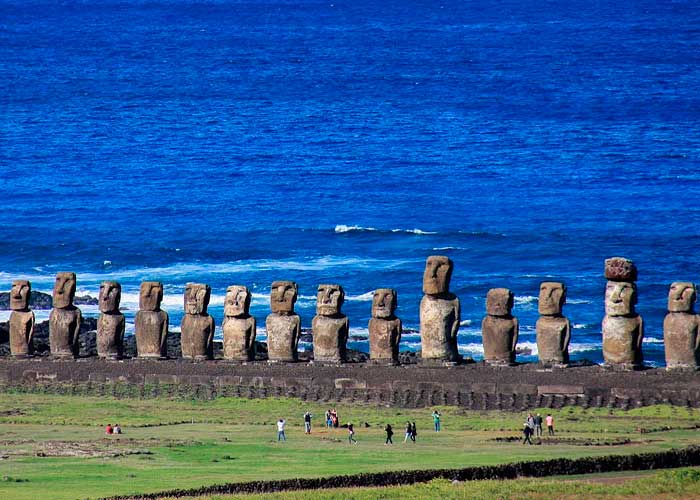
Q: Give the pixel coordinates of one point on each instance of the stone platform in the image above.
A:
(473, 386)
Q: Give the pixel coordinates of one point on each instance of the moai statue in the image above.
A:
(21, 320)
(283, 325)
(239, 326)
(111, 324)
(151, 323)
(439, 313)
(384, 328)
(681, 328)
(623, 328)
(553, 329)
(499, 328)
(197, 327)
(65, 318)
(330, 326)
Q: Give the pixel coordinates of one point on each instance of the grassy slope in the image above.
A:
(233, 440)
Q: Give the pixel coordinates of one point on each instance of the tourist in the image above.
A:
(307, 423)
(549, 420)
(436, 420)
(334, 418)
(117, 429)
(329, 422)
(531, 422)
(414, 433)
(408, 432)
(538, 425)
(389, 432)
(351, 434)
(109, 429)
(280, 430)
(527, 432)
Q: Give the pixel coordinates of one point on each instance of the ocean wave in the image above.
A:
(465, 322)
(525, 299)
(440, 249)
(365, 297)
(584, 347)
(652, 340)
(342, 228)
(578, 301)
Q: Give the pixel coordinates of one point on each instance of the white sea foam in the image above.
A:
(525, 299)
(465, 322)
(343, 228)
(584, 347)
(365, 297)
(414, 231)
(652, 340)
(578, 301)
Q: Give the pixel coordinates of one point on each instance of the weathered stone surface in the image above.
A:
(620, 269)
(620, 298)
(384, 327)
(330, 326)
(197, 327)
(283, 296)
(21, 319)
(44, 301)
(239, 326)
(437, 275)
(151, 323)
(681, 328)
(111, 324)
(553, 330)
(499, 328)
(283, 332)
(439, 323)
(65, 318)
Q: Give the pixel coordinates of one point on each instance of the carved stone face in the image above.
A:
(110, 296)
(384, 303)
(620, 269)
(499, 302)
(237, 301)
(552, 298)
(197, 297)
(19, 295)
(681, 297)
(64, 290)
(437, 274)
(329, 300)
(150, 296)
(283, 295)
(620, 298)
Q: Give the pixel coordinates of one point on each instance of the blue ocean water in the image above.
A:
(329, 141)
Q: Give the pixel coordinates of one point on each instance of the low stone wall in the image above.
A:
(474, 386)
(557, 467)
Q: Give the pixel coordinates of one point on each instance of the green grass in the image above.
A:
(228, 440)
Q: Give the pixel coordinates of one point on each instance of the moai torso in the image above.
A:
(623, 328)
(111, 323)
(330, 327)
(65, 318)
(384, 327)
(283, 325)
(553, 330)
(239, 326)
(681, 325)
(197, 327)
(499, 328)
(151, 323)
(439, 312)
(21, 319)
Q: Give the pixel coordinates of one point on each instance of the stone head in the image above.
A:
(150, 296)
(681, 296)
(329, 300)
(283, 295)
(552, 298)
(437, 274)
(196, 298)
(19, 295)
(620, 298)
(110, 296)
(384, 303)
(499, 302)
(64, 290)
(620, 269)
(237, 302)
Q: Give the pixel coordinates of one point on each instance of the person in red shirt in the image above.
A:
(108, 429)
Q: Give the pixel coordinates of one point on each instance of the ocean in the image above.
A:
(232, 142)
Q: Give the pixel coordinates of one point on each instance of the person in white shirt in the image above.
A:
(280, 430)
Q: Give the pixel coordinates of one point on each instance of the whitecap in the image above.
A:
(365, 297)
(652, 340)
(465, 322)
(342, 228)
(525, 299)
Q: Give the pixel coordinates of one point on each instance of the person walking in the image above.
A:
(351, 434)
(531, 422)
(329, 422)
(549, 420)
(527, 432)
(436, 420)
(414, 433)
(538, 425)
(389, 432)
(307, 423)
(280, 430)
(408, 432)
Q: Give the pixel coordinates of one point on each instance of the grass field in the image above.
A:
(55, 447)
